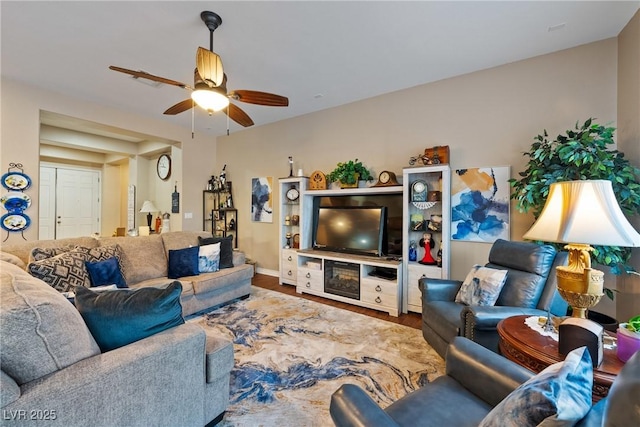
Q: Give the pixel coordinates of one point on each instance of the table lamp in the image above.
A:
(148, 207)
(582, 213)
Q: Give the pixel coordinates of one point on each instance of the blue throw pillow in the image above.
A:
(226, 248)
(183, 262)
(105, 272)
(120, 317)
(560, 395)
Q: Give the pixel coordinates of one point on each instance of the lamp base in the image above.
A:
(579, 302)
(578, 284)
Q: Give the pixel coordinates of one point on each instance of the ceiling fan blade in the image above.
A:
(180, 107)
(145, 75)
(259, 98)
(209, 66)
(236, 114)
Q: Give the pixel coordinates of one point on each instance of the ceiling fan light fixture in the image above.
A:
(210, 99)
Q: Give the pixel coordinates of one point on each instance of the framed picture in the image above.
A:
(262, 199)
(480, 204)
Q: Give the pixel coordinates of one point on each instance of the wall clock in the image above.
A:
(419, 191)
(292, 193)
(386, 179)
(163, 167)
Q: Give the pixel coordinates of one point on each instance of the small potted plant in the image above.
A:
(628, 338)
(348, 173)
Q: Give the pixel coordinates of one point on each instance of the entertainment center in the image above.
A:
(352, 245)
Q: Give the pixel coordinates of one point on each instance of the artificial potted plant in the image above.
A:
(580, 154)
(349, 173)
(628, 338)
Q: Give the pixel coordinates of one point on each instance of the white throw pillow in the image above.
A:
(482, 286)
(209, 258)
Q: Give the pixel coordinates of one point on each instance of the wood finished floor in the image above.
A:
(412, 320)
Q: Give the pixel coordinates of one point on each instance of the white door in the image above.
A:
(77, 203)
(69, 203)
(47, 204)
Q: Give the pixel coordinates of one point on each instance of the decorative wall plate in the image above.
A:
(16, 181)
(15, 202)
(14, 221)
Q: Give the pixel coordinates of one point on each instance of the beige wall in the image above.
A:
(628, 301)
(20, 124)
(487, 118)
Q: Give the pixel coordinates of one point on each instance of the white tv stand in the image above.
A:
(374, 292)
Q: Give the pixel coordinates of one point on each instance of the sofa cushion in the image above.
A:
(143, 257)
(62, 272)
(183, 262)
(560, 395)
(209, 258)
(481, 286)
(22, 249)
(47, 332)
(226, 248)
(120, 317)
(105, 272)
(38, 254)
(12, 259)
(207, 282)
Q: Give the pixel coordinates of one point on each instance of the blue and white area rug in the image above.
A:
(291, 354)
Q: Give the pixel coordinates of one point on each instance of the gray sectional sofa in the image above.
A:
(145, 263)
(54, 373)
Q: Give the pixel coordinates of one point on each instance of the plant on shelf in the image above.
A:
(579, 155)
(348, 173)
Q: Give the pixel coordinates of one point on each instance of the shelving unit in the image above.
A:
(291, 228)
(437, 178)
(220, 218)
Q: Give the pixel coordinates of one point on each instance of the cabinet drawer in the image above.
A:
(289, 272)
(290, 256)
(310, 279)
(385, 287)
(378, 298)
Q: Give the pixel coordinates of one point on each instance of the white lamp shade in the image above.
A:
(148, 206)
(583, 212)
(210, 99)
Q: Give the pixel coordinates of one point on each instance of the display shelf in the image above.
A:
(220, 218)
(290, 227)
(421, 217)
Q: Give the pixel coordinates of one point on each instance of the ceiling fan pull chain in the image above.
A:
(227, 124)
(193, 122)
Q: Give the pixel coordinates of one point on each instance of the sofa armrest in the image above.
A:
(487, 317)
(484, 373)
(219, 352)
(351, 407)
(168, 366)
(9, 390)
(239, 258)
(438, 289)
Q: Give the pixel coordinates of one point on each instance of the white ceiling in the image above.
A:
(319, 54)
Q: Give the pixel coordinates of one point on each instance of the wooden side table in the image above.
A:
(534, 351)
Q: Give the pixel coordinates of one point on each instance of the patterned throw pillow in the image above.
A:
(209, 258)
(103, 253)
(226, 248)
(38, 254)
(558, 396)
(62, 272)
(482, 286)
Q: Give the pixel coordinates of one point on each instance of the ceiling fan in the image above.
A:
(209, 89)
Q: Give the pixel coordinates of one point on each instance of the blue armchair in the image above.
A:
(530, 288)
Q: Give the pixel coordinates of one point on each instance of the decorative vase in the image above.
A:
(354, 185)
(628, 342)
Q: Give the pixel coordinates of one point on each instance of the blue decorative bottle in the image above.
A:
(413, 251)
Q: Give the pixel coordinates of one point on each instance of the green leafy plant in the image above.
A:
(345, 172)
(580, 154)
(634, 324)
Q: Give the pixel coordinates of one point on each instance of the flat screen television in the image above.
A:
(351, 229)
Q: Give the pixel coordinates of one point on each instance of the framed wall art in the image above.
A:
(480, 204)
(262, 199)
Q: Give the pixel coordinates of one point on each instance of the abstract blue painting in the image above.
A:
(480, 204)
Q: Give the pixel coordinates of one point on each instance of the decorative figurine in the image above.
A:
(287, 220)
(288, 245)
(223, 177)
(290, 166)
(427, 243)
